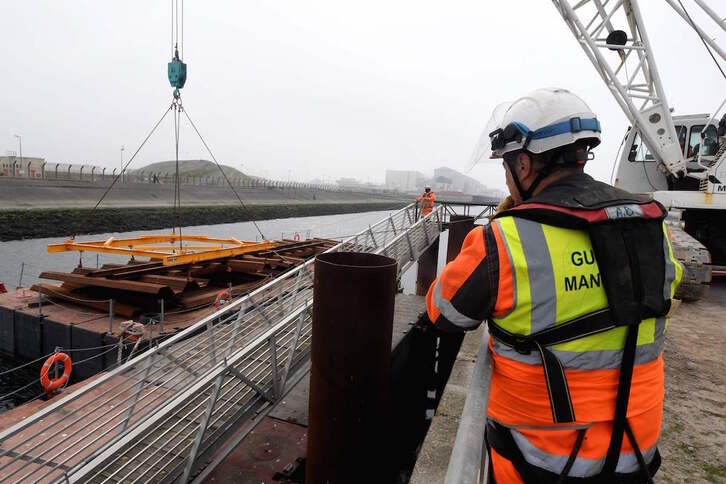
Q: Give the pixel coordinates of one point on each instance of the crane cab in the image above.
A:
(638, 171)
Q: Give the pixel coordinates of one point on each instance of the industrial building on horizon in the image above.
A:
(445, 180)
(21, 166)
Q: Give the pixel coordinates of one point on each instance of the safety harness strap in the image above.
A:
(557, 389)
(499, 438)
(554, 373)
(628, 361)
(586, 325)
(621, 403)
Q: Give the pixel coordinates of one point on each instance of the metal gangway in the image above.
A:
(177, 410)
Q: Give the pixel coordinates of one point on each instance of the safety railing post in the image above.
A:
(20, 279)
(110, 317)
(212, 347)
(202, 429)
(135, 399)
(161, 316)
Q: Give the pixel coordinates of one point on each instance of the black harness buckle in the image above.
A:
(522, 344)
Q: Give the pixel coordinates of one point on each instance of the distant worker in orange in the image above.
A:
(426, 201)
(575, 280)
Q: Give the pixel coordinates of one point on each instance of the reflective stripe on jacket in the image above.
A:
(528, 276)
(427, 202)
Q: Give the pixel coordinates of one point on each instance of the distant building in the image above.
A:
(347, 182)
(450, 180)
(27, 167)
(405, 180)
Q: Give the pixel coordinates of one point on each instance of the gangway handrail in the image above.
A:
(200, 325)
(364, 241)
(469, 459)
(121, 406)
(179, 400)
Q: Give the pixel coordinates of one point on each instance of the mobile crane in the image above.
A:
(680, 160)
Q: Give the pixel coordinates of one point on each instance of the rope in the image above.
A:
(123, 169)
(26, 364)
(34, 398)
(96, 356)
(693, 25)
(34, 382)
(63, 350)
(75, 298)
(76, 363)
(223, 174)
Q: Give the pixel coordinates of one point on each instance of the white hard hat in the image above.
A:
(542, 120)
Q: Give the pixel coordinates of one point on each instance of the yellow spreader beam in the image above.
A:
(172, 252)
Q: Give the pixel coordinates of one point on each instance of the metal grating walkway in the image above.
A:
(161, 415)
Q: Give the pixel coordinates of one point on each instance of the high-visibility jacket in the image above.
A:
(426, 202)
(552, 406)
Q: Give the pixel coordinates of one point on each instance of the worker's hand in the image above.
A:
(505, 204)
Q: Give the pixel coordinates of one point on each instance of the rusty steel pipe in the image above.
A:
(459, 227)
(350, 373)
(427, 265)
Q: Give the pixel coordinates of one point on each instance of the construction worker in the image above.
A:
(426, 201)
(576, 281)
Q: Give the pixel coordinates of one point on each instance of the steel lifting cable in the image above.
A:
(224, 174)
(177, 32)
(123, 168)
(708, 49)
(178, 108)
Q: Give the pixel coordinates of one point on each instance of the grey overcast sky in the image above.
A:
(311, 88)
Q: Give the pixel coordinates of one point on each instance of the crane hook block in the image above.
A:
(177, 72)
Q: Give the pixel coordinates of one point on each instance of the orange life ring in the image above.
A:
(222, 295)
(296, 237)
(54, 384)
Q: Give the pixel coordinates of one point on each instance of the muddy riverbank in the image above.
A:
(36, 223)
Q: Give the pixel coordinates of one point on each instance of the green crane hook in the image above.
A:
(177, 73)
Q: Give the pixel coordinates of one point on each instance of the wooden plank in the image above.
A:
(135, 286)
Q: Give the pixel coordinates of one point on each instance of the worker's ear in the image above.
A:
(524, 165)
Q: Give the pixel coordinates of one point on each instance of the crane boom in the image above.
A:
(637, 90)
